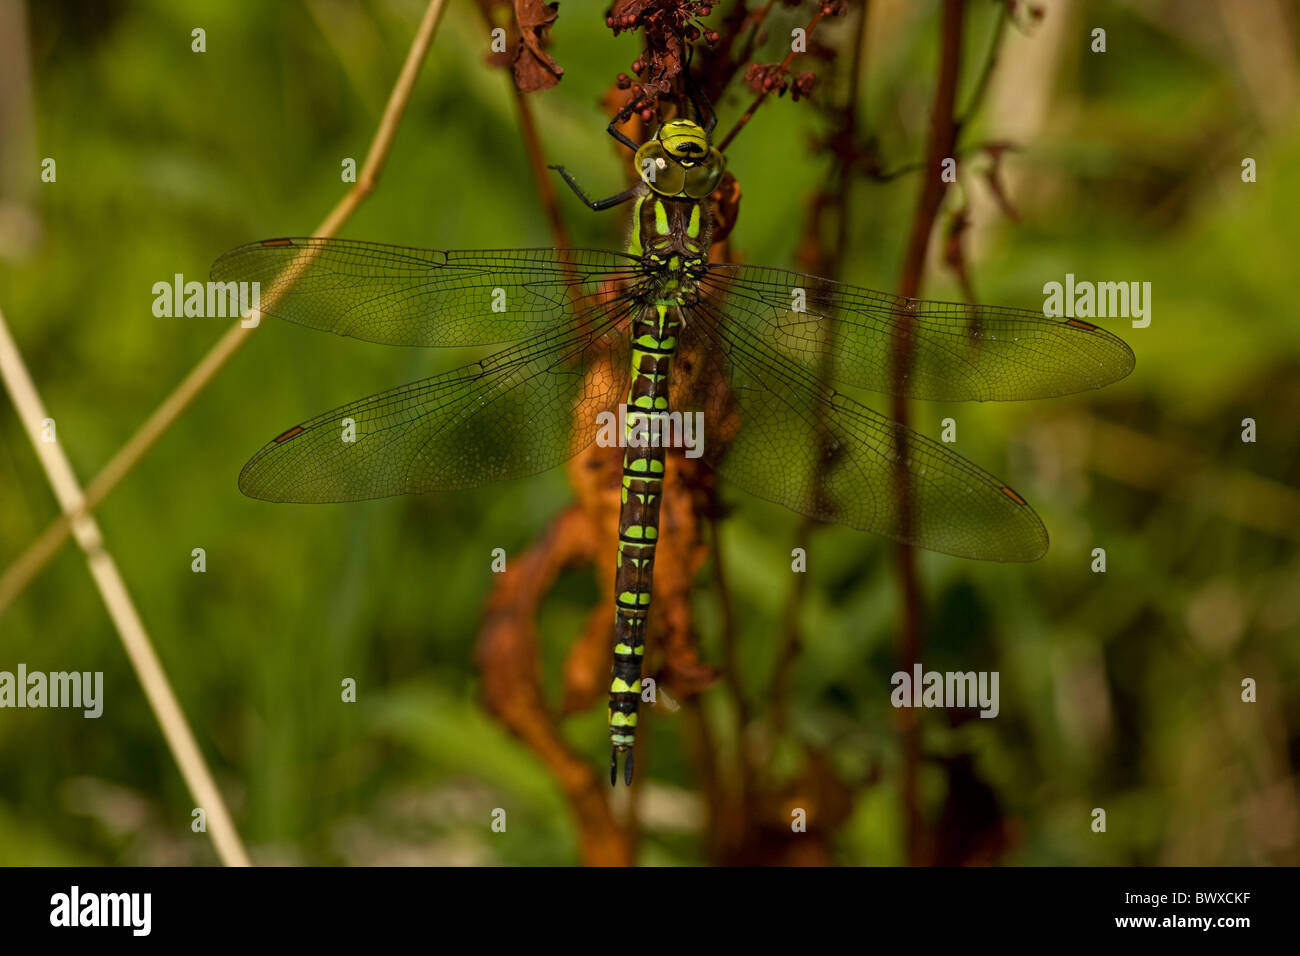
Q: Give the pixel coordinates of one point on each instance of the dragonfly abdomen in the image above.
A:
(654, 340)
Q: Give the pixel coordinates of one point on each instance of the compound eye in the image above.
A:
(658, 170)
(703, 179)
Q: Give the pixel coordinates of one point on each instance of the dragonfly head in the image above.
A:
(684, 140)
(679, 162)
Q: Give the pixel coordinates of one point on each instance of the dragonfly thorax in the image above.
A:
(672, 238)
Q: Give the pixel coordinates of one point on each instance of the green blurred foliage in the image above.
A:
(1118, 690)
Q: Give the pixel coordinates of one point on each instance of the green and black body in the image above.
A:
(774, 356)
(670, 233)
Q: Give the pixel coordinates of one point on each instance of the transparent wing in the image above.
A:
(396, 295)
(959, 352)
(517, 412)
(774, 429)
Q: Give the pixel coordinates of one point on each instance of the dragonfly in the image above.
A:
(761, 356)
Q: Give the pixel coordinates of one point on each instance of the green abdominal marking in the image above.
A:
(667, 233)
(654, 340)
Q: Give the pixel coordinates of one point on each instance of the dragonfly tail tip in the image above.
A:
(613, 767)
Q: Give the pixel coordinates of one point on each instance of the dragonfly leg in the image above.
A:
(620, 135)
(598, 204)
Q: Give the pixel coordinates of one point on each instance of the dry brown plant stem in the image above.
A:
(38, 554)
(77, 506)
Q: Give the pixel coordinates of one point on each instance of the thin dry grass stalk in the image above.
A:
(78, 506)
(21, 573)
(139, 649)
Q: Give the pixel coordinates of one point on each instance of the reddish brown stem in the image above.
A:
(542, 176)
(942, 141)
(785, 65)
(835, 200)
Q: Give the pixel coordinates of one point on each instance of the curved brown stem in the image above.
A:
(509, 661)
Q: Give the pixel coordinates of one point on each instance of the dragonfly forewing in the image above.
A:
(396, 295)
(956, 352)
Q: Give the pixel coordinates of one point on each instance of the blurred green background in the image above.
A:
(1118, 690)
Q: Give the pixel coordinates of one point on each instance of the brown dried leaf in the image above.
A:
(954, 254)
(508, 660)
(586, 666)
(726, 208)
(973, 829)
(993, 177)
(535, 69)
